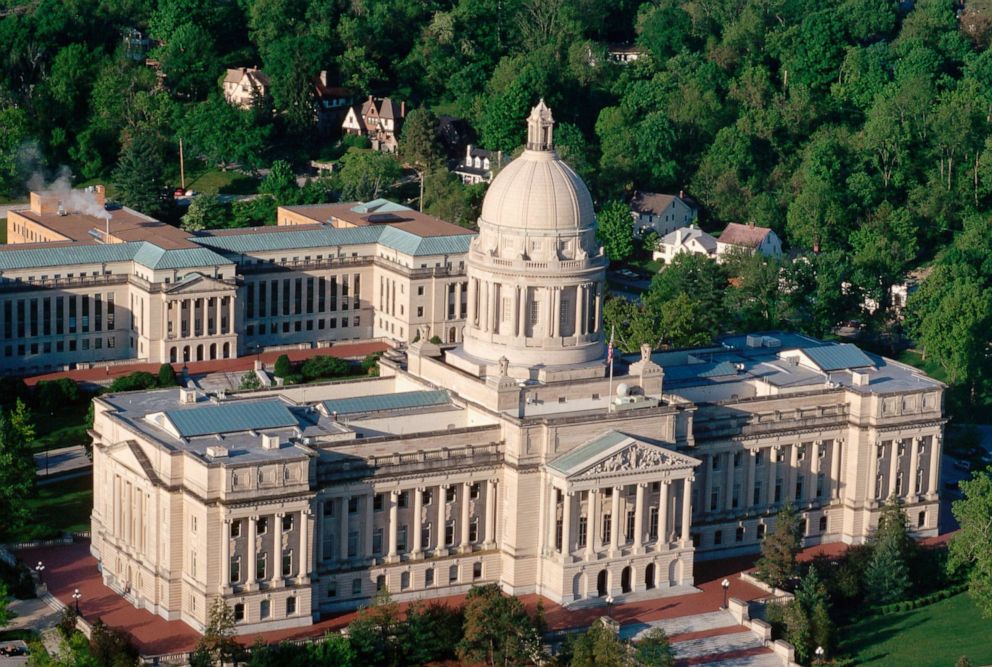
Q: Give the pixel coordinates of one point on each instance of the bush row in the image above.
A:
(909, 605)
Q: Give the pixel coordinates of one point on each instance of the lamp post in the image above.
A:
(609, 604)
(75, 596)
(725, 584)
(39, 568)
(819, 655)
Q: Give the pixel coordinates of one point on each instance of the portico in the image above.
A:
(619, 505)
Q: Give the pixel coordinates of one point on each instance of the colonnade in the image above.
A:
(486, 312)
(303, 559)
(911, 486)
(559, 535)
(183, 314)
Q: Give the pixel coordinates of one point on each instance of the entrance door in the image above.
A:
(625, 580)
(601, 588)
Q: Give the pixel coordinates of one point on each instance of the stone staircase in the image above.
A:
(712, 638)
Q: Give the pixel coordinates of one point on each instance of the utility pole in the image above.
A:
(182, 168)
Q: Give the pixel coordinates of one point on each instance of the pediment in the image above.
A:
(197, 282)
(617, 454)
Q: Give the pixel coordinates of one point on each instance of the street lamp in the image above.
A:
(75, 596)
(726, 591)
(39, 568)
(819, 654)
(609, 604)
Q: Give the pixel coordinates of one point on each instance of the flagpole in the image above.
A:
(609, 359)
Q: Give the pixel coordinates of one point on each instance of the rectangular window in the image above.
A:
(583, 531)
(250, 306)
(739, 534)
(235, 569)
(262, 525)
(653, 523)
(290, 606)
(287, 563)
(309, 295)
(449, 533)
(429, 576)
(260, 565)
(630, 524)
(236, 528)
(356, 586)
(607, 533)
(321, 294)
(401, 539)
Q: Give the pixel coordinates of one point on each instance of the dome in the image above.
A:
(537, 191)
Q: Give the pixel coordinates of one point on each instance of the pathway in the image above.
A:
(710, 638)
(61, 461)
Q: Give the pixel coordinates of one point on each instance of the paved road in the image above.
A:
(62, 460)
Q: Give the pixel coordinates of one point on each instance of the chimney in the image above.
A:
(323, 77)
(678, 236)
(681, 194)
(468, 153)
(402, 109)
(100, 193)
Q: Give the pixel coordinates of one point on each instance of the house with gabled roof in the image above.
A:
(660, 213)
(750, 238)
(243, 86)
(380, 119)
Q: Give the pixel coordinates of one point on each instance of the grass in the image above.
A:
(210, 180)
(934, 635)
(646, 264)
(59, 507)
(64, 428)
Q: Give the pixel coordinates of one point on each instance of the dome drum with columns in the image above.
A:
(536, 271)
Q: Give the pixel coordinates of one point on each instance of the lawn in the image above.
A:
(59, 507)
(214, 181)
(64, 428)
(934, 635)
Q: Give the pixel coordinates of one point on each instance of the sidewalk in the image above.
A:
(105, 374)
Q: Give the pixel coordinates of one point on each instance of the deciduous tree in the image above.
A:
(971, 547)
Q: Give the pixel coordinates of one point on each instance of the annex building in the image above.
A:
(84, 282)
(510, 456)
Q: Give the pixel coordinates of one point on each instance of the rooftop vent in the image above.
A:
(217, 452)
(62, 212)
(753, 341)
(187, 396)
(270, 441)
(770, 341)
(860, 379)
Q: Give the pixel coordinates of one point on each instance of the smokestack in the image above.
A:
(402, 109)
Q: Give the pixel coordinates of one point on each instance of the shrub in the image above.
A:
(53, 394)
(134, 382)
(436, 340)
(250, 381)
(370, 365)
(166, 376)
(324, 367)
(283, 366)
(67, 621)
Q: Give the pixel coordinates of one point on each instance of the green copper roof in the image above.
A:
(153, 257)
(397, 239)
(13, 257)
(231, 417)
(838, 357)
(399, 401)
(590, 450)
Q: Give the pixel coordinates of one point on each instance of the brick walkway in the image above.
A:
(107, 373)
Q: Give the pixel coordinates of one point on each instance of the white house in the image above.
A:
(477, 167)
(685, 239)
(243, 85)
(748, 237)
(660, 213)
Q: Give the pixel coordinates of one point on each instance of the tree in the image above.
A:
(137, 381)
(777, 565)
(283, 367)
(17, 470)
(615, 230)
(280, 183)
(971, 547)
(138, 176)
(13, 140)
(324, 367)
(374, 634)
(250, 381)
(654, 650)
(111, 646)
(497, 629)
(224, 134)
(51, 395)
(4, 602)
(189, 61)
(166, 376)
(217, 640)
(887, 576)
(599, 646)
(419, 144)
(365, 175)
(205, 212)
(430, 633)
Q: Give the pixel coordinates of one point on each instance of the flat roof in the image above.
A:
(125, 225)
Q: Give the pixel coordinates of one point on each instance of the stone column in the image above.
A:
(305, 551)
(597, 297)
(365, 533)
(318, 531)
(490, 514)
(686, 510)
(772, 474)
(566, 528)
(893, 466)
(552, 326)
(225, 554)
(748, 498)
(592, 536)
(393, 527)
(442, 501)
(580, 303)
(465, 545)
(728, 500)
(277, 555)
(615, 523)
(934, 467)
(129, 513)
(914, 464)
(418, 509)
(662, 543)
(118, 507)
(639, 519)
(814, 470)
(522, 321)
(343, 529)
(792, 473)
(252, 554)
(230, 320)
(550, 518)
(708, 484)
(873, 450)
(835, 451)
(458, 300)
(470, 319)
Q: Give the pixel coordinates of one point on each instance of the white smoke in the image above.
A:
(74, 201)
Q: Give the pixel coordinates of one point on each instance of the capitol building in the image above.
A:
(507, 454)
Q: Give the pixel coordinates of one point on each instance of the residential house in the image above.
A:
(380, 119)
(332, 103)
(660, 213)
(477, 165)
(748, 237)
(624, 53)
(244, 85)
(685, 239)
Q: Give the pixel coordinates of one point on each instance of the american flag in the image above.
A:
(609, 347)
